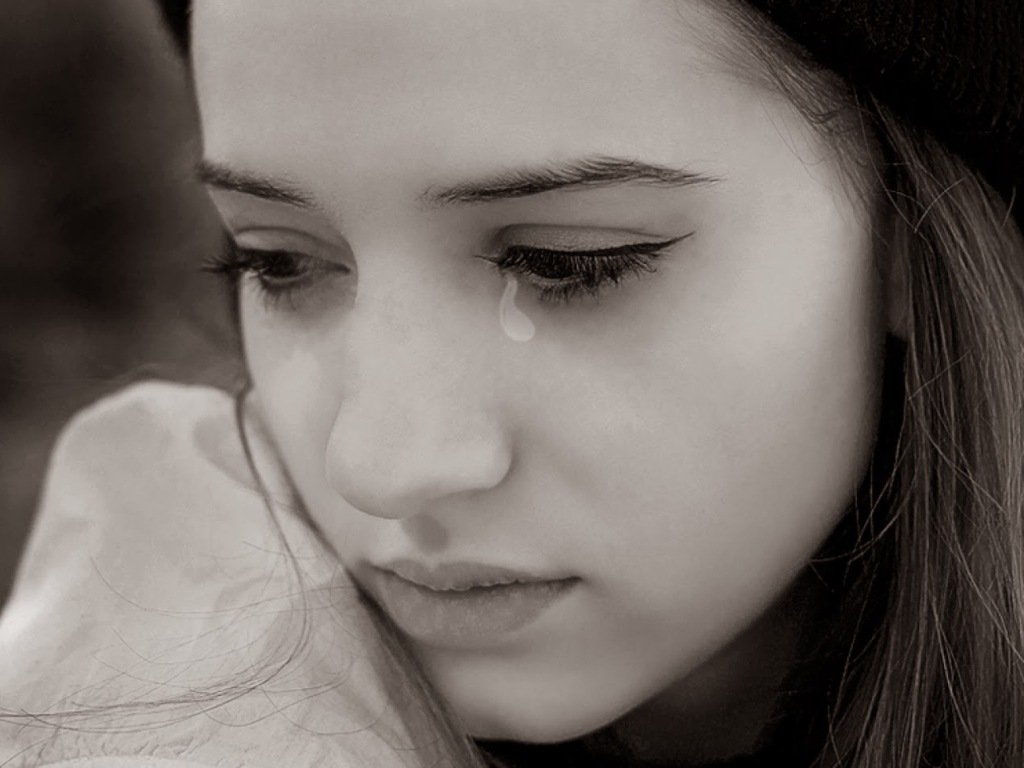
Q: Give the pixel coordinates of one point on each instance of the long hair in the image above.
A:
(941, 679)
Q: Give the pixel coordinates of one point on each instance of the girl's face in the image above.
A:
(651, 436)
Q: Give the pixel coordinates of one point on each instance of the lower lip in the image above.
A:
(466, 618)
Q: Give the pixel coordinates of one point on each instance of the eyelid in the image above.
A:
(573, 239)
(244, 213)
(291, 240)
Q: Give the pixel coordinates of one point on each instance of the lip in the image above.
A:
(463, 605)
(460, 576)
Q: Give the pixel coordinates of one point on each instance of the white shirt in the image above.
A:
(155, 573)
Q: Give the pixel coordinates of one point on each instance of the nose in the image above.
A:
(418, 420)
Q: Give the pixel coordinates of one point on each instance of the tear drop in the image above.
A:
(516, 325)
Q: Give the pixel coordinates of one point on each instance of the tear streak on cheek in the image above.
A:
(514, 322)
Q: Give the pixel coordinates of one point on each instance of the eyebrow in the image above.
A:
(247, 183)
(597, 171)
(591, 172)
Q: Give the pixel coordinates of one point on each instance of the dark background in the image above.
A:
(103, 230)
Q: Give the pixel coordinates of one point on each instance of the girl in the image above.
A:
(628, 383)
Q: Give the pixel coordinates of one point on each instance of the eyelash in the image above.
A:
(301, 271)
(558, 276)
(562, 276)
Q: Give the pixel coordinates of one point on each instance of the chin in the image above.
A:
(533, 723)
(551, 732)
(534, 697)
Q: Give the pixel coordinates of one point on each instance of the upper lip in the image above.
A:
(460, 575)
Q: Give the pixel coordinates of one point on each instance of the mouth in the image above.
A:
(463, 605)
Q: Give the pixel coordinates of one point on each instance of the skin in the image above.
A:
(682, 443)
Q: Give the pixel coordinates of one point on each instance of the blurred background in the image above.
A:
(103, 230)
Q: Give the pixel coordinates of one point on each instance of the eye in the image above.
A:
(277, 274)
(561, 276)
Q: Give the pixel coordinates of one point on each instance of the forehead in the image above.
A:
(499, 80)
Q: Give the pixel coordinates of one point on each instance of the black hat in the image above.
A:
(954, 67)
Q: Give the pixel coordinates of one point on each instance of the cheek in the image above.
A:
(763, 403)
(765, 428)
(764, 452)
(293, 385)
